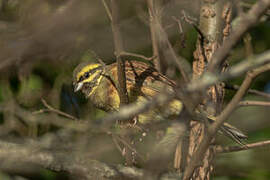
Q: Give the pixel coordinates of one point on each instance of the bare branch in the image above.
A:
(244, 22)
(180, 28)
(251, 91)
(108, 11)
(51, 109)
(249, 5)
(180, 62)
(230, 149)
(137, 55)
(21, 156)
(254, 103)
(250, 63)
(28, 117)
(212, 129)
(181, 31)
(153, 21)
(118, 45)
(158, 30)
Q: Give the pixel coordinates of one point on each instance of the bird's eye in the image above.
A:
(86, 75)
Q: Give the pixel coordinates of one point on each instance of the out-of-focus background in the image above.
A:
(41, 42)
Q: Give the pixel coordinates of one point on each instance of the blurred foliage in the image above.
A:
(43, 40)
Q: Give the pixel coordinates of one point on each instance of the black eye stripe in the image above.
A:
(81, 78)
(88, 73)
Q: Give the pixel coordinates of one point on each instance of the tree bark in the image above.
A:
(213, 29)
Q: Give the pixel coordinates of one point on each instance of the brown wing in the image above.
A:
(142, 79)
(144, 82)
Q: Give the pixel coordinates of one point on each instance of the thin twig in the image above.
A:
(251, 91)
(117, 144)
(137, 55)
(230, 149)
(180, 28)
(154, 38)
(180, 62)
(254, 103)
(50, 108)
(108, 11)
(181, 31)
(130, 147)
(201, 37)
(98, 58)
(121, 74)
(248, 45)
(118, 45)
(188, 19)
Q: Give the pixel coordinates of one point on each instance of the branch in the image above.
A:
(118, 45)
(251, 91)
(153, 21)
(254, 103)
(230, 149)
(180, 62)
(131, 110)
(248, 45)
(249, 5)
(157, 30)
(250, 63)
(137, 55)
(244, 22)
(28, 117)
(212, 129)
(181, 32)
(51, 109)
(20, 156)
(108, 11)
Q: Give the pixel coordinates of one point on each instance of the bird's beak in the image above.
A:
(78, 86)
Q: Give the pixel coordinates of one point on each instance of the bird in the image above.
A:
(99, 83)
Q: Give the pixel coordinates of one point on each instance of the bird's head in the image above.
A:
(86, 77)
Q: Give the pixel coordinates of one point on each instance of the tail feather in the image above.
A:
(232, 132)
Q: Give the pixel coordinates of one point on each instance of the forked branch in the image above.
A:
(244, 22)
(212, 130)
